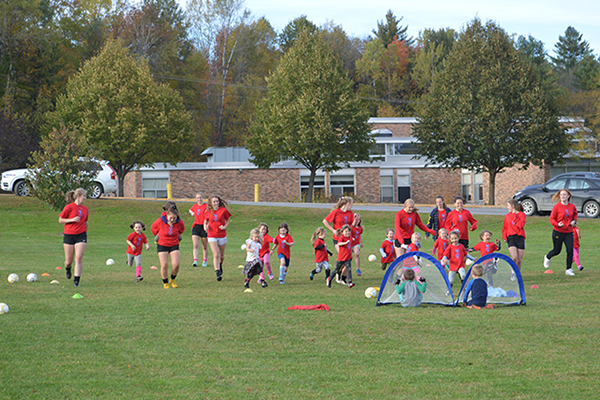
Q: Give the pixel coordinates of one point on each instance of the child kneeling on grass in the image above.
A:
(410, 290)
(478, 290)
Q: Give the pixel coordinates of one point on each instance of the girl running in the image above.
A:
(253, 267)
(344, 258)
(216, 220)
(264, 253)
(513, 232)
(458, 220)
(357, 244)
(75, 218)
(169, 228)
(321, 253)
(563, 219)
(339, 216)
(406, 219)
(283, 242)
(135, 242)
(441, 244)
(198, 232)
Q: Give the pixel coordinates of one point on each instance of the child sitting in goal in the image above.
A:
(410, 290)
(477, 288)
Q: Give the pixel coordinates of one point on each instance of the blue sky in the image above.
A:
(545, 20)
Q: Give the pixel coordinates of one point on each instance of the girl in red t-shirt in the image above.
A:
(459, 220)
(321, 253)
(406, 220)
(264, 254)
(454, 258)
(216, 220)
(75, 218)
(513, 232)
(344, 258)
(169, 228)
(135, 242)
(357, 242)
(441, 244)
(283, 242)
(198, 233)
(563, 218)
(340, 215)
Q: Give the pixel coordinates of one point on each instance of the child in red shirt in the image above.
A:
(169, 229)
(198, 233)
(485, 247)
(283, 242)
(344, 258)
(321, 253)
(459, 220)
(388, 254)
(135, 241)
(576, 237)
(264, 253)
(357, 231)
(441, 244)
(454, 258)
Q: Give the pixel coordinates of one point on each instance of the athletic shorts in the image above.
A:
(397, 243)
(163, 249)
(220, 241)
(517, 241)
(73, 239)
(198, 230)
(287, 260)
(355, 246)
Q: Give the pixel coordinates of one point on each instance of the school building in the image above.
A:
(395, 174)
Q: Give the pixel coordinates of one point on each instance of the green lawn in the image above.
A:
(209, 339)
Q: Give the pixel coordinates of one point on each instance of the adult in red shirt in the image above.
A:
(340, 215)
(216, 220)
(75, 218)
(459, 220)
(168, 228)
(563, 218)
(513, 232)
(198, 233)
(406, 219)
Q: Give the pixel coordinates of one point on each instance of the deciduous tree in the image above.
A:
(311, 113)
(128, 118)
(486, 110)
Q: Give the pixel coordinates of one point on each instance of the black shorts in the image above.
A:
(198, 230)
(516, 241)
(73, 239)
(397, 243)
(162, 249)
(464, 242)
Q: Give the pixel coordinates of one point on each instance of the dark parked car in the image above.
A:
(584, 186)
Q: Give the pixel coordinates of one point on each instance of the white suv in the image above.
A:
(14, 181)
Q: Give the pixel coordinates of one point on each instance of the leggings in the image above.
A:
(558, 238)
(576, 257)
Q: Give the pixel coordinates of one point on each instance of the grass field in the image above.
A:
(209, 339)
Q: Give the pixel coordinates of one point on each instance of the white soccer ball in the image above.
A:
(110, 261)
(244, 247)
(3, 308)
(372, 257)
(469, 262)
(13, 278)
(32, 277)
(371, 293)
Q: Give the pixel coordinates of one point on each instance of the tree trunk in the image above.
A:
(492, 188)
(311, 184)
(120, 183)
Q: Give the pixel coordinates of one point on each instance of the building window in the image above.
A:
(472, 186)
(377, 152)
(318, 187)
(341, 185)
(401, 149)
(154, 184)
(466, 185)
(403, 187)
(387, 188)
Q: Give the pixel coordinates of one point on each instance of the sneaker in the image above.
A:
(271, 276)
(282, 280)
(195, 264)
(204, 264)
(247, 284)
(68, 271)
(358, 272)
(219, 274)
(570, 272)
(337, 278)
(546, 262)
(328, 281)
(76, 284)
(312, 276)
(165, 285)
(351, 285)
(173, 284)
(139, 278)
(580, 267)
(264, 284)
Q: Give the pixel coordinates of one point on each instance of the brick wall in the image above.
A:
(428, 183)
(274, 185)
(132, 184)
(368, 185)
(513, 180)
